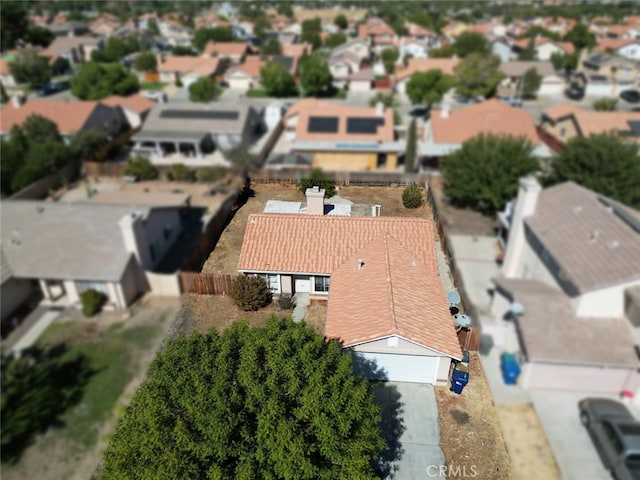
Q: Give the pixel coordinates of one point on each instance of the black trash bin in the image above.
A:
(459, 378)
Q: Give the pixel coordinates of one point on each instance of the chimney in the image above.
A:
(17, 101)
(526, 202)
(134, 238)
(315, 200)
(445, 110)
(379, 109)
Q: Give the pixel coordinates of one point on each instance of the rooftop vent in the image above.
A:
(593, 236)
(360, 264)
(613, 243)
(577, 209)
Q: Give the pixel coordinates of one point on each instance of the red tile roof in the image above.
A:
(402, 297)
(70, 116)
(185, 65)
(591, 122)
(136, 103)
(320, 244)
(446, 65)
(225, 48)
(491, 116)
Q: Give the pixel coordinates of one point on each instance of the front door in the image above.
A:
(303, 284)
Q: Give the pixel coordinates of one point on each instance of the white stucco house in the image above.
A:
(572, 260)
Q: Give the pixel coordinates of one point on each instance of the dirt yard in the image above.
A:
(470, 434)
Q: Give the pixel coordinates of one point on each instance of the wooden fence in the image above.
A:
(206, 283)
(41, 188)
(290, 176)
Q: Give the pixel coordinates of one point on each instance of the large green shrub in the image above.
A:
(92, 301)
(211, 174)
(605, 104)
(286, 302)
(412, 196)
(250, 293)
(179, 172)
(141, 168)
(318, 178)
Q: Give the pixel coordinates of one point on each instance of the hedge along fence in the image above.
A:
(41, 188)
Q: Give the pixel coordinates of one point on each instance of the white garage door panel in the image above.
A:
(583, 379)
(402, 368)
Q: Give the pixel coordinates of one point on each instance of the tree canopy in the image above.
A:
(428, 87)
(311, 29)
(335, 40)
(204, 90)
(271, 47)
(315, 76)
(478, 75)
(483, 174)
(115, 49)
(471, 42)
(529, 83)
(38, 36)
(146, 62)
(389, 57)
(31, 69)
(277, 80)
(253, 402)
(202, 36)
(318, 178)
(86, 144)
(604, 163)
(341, 21)
(580, 36)
(412, 146)
(13, 23)
(96, 81)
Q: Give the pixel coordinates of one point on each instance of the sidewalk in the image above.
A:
(32, 334)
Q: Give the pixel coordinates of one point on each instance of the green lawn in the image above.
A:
(113, 355)
(152, 85)
(257, 93)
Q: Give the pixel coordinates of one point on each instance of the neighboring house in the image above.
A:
(361, 81)
(75, 49)
(280, 22)
(355, 46)
(194, 133)
(70, 248)
(290, 35)
(234, 51)
(341, 137)
(399, 327)
(135, 107)
(175, 34)
(551, 83)
(572, 256)
(342, 65)
(544, 48)
(188, 69)
(562, 122)
(378, 34)
(6, 77)
(70, 116)
(418, 33)
(446, 65)
(624, 47)
(247, 75)
(67, 29)
(608, 75)
(412, 47)
(447, 129)
(502, 49)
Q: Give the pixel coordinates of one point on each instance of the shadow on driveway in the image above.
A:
(392, 426)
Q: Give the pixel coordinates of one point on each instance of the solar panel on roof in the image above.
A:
(200, 114)
(364, 125)
(323, 125)
(635, 127)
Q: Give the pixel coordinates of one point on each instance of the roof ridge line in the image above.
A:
(394, 322)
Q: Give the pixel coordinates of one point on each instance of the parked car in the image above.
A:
(631, 96)
(52, 88)
(615, 434)
(575, 92)
(513, 101)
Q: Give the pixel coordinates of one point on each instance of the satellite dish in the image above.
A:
(463, 321)
(453, 298)
(516, 309)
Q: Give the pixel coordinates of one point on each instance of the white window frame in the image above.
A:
(272, 280)
(326, 281)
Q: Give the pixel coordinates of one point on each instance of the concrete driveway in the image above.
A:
(574, 451)
(410, 426)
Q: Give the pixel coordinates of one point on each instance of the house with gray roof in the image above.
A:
(68, 248)
(75, 49)
(572, 262)
(550, 83)
(196, 134)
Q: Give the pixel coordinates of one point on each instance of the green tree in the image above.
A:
(38, 387)
(318, 178)
(389, 57)
(152, 26)
(38, 36)
(204, 90)
(250, 293)
(87, 144)
(412, 146)
(271, 47)
(484, 173)
(580, 36)
(536, 30)
(92, 302)
(182, 51)
(179, 172)
(31, 70)
(315, 76)
(428, 87)
(529, 83)
(311, 32)
(253, 402)
(141, 168)
(412, 196)
(605, 104)
(389, 101)
(13, 22)
(12, 152)
(446, 51)
(341, 22)
(202, 36)
(471, 42)
(528, 53)
(4, 97)
(96, 81)
(335, 39)
(478, 75)
(603, 163)
(277, 80)
(146, 62)
(284, 8)
(562, 61)
(211, 174)
(39, 129)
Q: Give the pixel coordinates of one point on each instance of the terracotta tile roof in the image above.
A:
(593, 245)
(491, 116)
(320, 244)
(70, 116)
(539, 41)
(418, 30)
(225, 48)
(618, 29)
(136, 103)
(425, 64)
(591, 122)
(186, 64)
(295, 50)
(312, 107)
(403, 297)
(251, 66)
(4, 67)
(615, 43)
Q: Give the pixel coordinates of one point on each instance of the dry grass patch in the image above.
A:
(316, 316)
(389, 197)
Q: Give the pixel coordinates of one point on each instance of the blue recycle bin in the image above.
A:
(459, 378)
(510, 368)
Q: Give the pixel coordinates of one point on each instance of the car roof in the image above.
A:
(605, 407)
(629, 432)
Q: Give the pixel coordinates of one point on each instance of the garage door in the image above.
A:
(397, 368)
(581, 379)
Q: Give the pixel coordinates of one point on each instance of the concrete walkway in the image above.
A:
(302, 302)
(32, 335)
